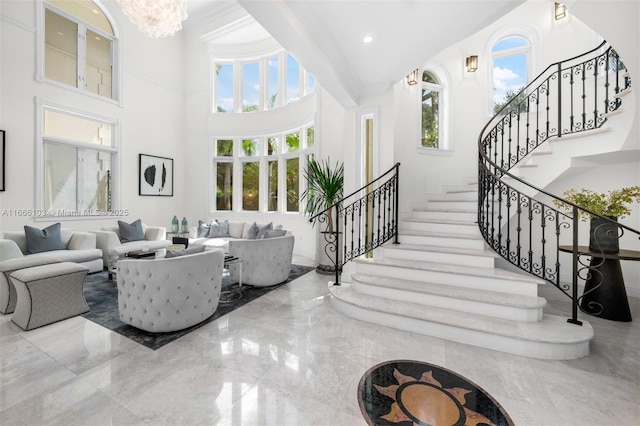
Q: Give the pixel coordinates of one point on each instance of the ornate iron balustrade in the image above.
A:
(363, 221)
(569, 97)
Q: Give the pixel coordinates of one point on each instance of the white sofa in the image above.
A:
(265, 262)
(80, 248)
(170, 294)
(237, 230)
(108, 240)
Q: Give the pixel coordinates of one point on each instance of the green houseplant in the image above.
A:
(324, 188)
(614, 205)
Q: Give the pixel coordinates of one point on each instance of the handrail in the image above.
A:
(526, 232)
(367, 223)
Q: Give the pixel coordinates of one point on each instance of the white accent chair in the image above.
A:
(265, 262)
(108, 240)
(162, 295)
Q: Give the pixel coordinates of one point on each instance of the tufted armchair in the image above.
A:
(162, 295)
(265, 262)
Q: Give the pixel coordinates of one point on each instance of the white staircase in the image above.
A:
(441, 281)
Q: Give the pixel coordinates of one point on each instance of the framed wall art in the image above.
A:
(155, 176)
(2, 160)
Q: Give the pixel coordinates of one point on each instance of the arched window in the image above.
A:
(79, 47)
(261, 84)
(510, 65)
(431, 135)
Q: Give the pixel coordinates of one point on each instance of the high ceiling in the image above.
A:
(326, 36)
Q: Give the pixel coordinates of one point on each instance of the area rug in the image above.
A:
(404, 392)
(102, 296)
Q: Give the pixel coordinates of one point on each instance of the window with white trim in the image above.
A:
(78, 158)
(431, 111)
(265, 83)
(510, 57)
(267, 168)
(79, 47)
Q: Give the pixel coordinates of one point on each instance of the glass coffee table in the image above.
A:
(235, 293)
(112, 267)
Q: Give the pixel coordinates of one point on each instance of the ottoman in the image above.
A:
(48, 293)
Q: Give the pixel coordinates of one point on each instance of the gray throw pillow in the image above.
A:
(131, 232)
(203, 229)
(41, 240)
(262, 229)
(275, 233)
(218, 230)
(182, 252)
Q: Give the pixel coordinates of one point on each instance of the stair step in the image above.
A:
(487, 279)
(443, 204)
(439, 225)
(458, 195)
(449, 255)
(441, 239)
(550, 338)
(488, 303)
(435, 214)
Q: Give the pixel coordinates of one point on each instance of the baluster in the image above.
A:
(396, 204)
(557, 216)
(572, 117)
(595, 94)
(379, 215)
(543, 240)
(518, 131)
(353, 207)
(509, 141)
(530, 235)
(584, 96)
(519, 231)
(364, 201)
(508, 224)
(528, 125)
(559, 100)
(537, 118)
(548, 128)
(574, 295)
(606, 82)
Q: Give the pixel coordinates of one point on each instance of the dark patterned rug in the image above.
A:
(405, 392)
(102, 297)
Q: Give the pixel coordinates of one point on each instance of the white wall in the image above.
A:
(151, 115)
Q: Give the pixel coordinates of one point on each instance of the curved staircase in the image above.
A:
(441, 280)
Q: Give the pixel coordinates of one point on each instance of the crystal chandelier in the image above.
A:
(156, 18)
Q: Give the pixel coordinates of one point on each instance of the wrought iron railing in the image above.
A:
(569, 97)
(362, 221)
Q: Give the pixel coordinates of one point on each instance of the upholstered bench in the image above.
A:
(48, 293)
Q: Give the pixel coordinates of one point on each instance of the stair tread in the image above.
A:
(448, 200)
(485, 296)
(437, 234)
(551, 329)
(445, 210)
(441, 221)
(497, 273)
(441, 249)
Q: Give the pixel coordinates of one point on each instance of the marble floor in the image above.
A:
(289, 359)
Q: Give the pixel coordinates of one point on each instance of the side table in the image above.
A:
(608, 289)
(236, 293)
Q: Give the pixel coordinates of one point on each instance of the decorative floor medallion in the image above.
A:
(405, 393)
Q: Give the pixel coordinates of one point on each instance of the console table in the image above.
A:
(611, 293)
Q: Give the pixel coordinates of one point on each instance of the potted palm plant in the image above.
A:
(614, 205)
(324, 189)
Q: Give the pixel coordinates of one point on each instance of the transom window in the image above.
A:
(510, 69)
(267, 168)
(261, 84)
(79, 45)
(78, 158)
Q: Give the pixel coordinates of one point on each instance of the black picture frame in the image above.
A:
(155, 176)
(2, 162)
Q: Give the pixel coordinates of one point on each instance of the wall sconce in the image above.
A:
(560, 11)
(412, 79)
(472, 63)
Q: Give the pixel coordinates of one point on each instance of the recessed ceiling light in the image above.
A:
(367, 39)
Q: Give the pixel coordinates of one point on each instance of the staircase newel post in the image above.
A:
(337, 243)
(574, 295)
(395, 212)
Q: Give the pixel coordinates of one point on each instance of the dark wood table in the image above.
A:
(606, 290)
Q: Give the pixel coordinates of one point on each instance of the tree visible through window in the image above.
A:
(431, 115)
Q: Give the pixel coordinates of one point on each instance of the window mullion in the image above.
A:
(82, 56)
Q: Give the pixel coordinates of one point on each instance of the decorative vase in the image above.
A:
(185, 225)
(603, 236)
(174, 224)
